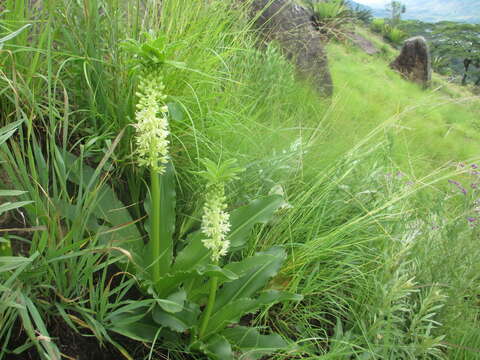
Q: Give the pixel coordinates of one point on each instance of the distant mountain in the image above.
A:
(355, 4)
(438, 10)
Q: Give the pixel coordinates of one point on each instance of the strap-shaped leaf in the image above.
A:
(244, 218)
(13, 34)
(36, 329)
(254, 273)
(142, 330)
(8, 263)
(123, 232)
(174, 302)
(168, 284)
(8, 130)
(11, 206)
(193, 254)
(134, 321)
(235, 310)
(252, 344)
(217, 348)
(180, 321)
(131, 312)
(12, 192)
(222, 275)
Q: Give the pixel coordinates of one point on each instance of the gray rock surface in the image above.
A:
(414, 61)
(363, 43)
(290, 25)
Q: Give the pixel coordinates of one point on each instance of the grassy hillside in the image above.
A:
(376, 193)
(433, 127)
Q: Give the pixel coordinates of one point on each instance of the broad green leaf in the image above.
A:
(218, 348)
(173, 303)
(142, 330)
(134, 321)
(235, 310)
(11, 206)
(244, 218)
(180, 321)
(171, 282)
(255, 272)
(214, 270)
(252, 344)
(193, 254)
(175, 111)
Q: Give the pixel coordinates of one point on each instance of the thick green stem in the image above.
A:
(210, 304)
(155, 241)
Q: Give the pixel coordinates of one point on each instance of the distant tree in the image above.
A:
(461, 44)
(396, 9)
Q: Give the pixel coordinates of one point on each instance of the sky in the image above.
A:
(373, 3)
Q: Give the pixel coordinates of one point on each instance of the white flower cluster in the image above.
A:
(152, 125)
(215, 222)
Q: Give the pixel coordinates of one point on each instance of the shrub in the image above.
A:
(330, 17)
(390, 33)
(394, 34)
(329, 10)
(377, 25)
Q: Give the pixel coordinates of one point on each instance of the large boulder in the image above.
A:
(414, 61)
(291, 26)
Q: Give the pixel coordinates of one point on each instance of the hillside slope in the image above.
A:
(433, 126)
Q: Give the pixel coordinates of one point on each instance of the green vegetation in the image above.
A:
(455, 48)
(389, 32)
(328, 10)
(353, 221)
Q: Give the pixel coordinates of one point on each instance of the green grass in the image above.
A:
(377, 237)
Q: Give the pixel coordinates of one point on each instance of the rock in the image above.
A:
(363, 43)
(414, 61)
(291, 26)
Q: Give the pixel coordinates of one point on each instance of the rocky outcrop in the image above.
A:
(363, 43)
(414, 61)
(291, 26)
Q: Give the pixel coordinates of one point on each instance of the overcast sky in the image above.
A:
(373, 3)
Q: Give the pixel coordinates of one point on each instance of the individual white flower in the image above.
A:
(215, 222)
(152, 125)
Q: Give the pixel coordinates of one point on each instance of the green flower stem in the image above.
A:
(155, 241)
(210, 304)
